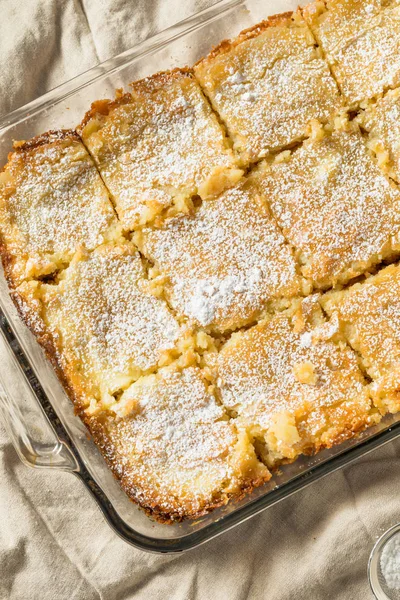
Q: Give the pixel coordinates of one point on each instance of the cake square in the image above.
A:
(361, 41)
(268, 84)
(224, 263)
(52, 201)
(382, 120)
(99, 325)
(158, 146)
(334, 206)
(369, 314)
(173, 448)
(293, 383)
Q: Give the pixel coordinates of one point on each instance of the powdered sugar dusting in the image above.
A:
(257, 371)
(362, 43)
(373, 311)
(267, 89)
(226, 261)
(383, 121)
(210, 294)
(390, 562)
(350, 215)
(162, 144)
(174, 447)
(52, 200)
(108, 325)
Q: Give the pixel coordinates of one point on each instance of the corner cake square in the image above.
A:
(221, 265)
(52, 201)
(369, 314)
(361, 41)
(268, 84)
(293, 383)
(98, 324)
(158, 146)
(173, 448)
(334, 206)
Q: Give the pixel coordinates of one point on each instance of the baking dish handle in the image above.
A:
(31, 452)
(33, 436)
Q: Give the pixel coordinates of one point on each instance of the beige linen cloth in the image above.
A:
(54, 543)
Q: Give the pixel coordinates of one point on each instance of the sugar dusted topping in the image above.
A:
(52, 200)
(267, 89)
(159, 144)
(111, 331)
(225, 262)
(174, 447)
(178, 437)
(290, 393)
(257, 374)
(371, 314)
(335, 207)
(362, 43)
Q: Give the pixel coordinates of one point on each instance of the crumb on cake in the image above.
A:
(268, 84)
(361, 41)
(52, 201)
(158, 146)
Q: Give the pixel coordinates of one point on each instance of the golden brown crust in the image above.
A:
(46, 138)
(37, 326)
(247, 34)
(147, 84)
(53, 135)
(8, 261)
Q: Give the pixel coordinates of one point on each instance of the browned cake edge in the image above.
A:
(8, 261)
(23, 147)
(150, 83)
(53, 135)
(152, 509)
(36, 325)
(247, 34)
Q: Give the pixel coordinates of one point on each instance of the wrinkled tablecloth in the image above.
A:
(54, 543)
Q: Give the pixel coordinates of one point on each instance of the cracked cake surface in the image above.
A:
(205, 260)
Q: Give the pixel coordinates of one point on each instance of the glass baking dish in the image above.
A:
(35, 409)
